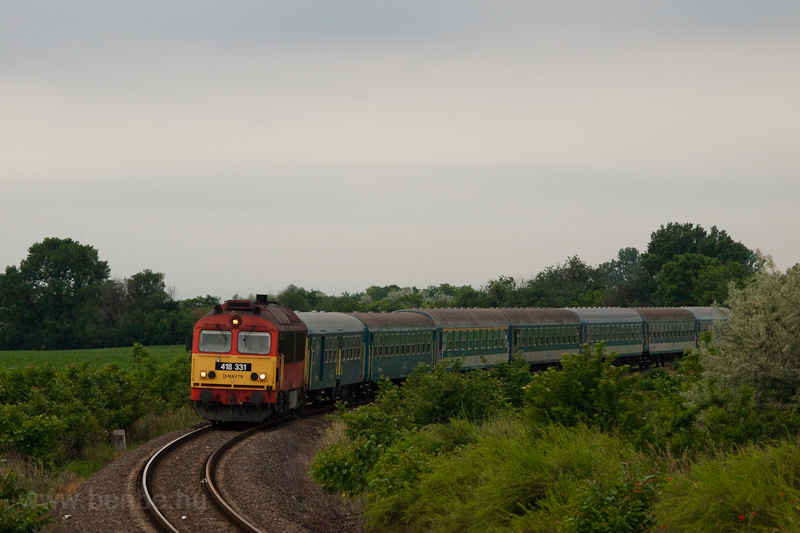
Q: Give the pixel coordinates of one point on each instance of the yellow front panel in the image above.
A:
(230, 376)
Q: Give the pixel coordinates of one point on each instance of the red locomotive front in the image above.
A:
(248, 360)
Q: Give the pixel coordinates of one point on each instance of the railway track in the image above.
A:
(165, 511)
(170, 481)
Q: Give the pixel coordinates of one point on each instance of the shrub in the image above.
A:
(755, 490)
(50, 417)
(624, 504)
(19, 510)
(759, 344)
(509, 479)
(587, 389)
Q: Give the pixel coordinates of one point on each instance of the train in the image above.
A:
(252, 360)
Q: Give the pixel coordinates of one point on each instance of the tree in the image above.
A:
(667, 242)
(685, 265)
(146, 292)
(53, 296)
(15, 309)
(573, 284)
(759, 344)
(299, 299)
(623, 269)
(502, 292)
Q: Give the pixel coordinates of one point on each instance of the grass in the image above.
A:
(61, 359)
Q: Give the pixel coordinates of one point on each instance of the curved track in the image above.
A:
(153, 502)
(223, 515)
(211, 488)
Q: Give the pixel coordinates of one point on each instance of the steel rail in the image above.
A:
(210, 485)
(144, 477)
(213, 460)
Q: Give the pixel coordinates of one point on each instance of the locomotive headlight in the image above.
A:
(262, 377)
(235, 321)
(203, 374)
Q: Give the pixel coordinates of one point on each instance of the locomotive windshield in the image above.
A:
(215, 341)
(257, 342)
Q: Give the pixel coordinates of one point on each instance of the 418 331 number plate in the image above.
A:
(233, 367)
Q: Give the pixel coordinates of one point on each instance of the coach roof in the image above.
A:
(462, 318)
(331, 323)
(606, 315)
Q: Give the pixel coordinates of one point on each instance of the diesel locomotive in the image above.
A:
(253, 360)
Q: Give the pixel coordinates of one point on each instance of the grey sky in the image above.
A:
(243, 146)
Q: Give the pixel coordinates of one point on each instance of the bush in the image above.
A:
(50, 417)
(755, 490)
(509, 480)
(401, 465)
(19, 510)
(428, 396)
(759, 344)
(587, 389)
(625, 504)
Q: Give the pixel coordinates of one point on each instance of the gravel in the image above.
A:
(264, 478)
(275, 464)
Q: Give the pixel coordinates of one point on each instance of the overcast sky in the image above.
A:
(238, 147)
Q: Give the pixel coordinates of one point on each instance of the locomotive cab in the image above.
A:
(245, 363)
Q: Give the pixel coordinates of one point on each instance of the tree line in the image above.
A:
(684, 265)
(62, 297)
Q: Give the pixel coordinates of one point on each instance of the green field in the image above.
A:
(63, 358)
